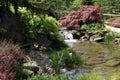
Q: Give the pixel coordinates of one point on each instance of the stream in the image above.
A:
(100, 58)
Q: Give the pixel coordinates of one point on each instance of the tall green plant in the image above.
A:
(71, 59)
(66, 58)
(109, 37)
(56, 58)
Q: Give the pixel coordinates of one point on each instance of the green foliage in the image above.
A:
(66, 58)
(19, 71)
(56, 58)
(109, 6)
(117, 35)
(39, 24)
(88, 77)
(49, 26)
(47, 77)
(109, 37)
(91, 27)
(71, 59)
(76, 4)
(87, 2)
(51, 77)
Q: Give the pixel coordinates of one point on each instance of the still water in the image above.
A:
(100, 58)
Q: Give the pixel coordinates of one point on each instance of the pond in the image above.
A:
(100, 58)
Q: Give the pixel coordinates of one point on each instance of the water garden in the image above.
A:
(59, 40)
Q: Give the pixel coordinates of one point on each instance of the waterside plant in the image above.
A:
(65, 58)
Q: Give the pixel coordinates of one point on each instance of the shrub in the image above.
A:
(114, 22)
(110, 37)
(38, 24)
(86, 14)
(48, 77)
(92, 27)
(65, 58)
(10, 57)
(6, 73)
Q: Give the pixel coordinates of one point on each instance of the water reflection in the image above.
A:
(101, 58)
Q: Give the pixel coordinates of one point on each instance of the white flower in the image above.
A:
(70, 54)
(36, 45)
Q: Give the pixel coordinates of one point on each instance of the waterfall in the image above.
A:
(68, 37)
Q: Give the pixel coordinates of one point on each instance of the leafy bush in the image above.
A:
(65, 58)
(48, 77)
(10, 57)
(114, 22)
(6, 73)
(38, 24)
(91, 27)
(110, 37)
(86, 14)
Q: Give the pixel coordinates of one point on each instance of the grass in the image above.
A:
(47, 77)
(88, 77)
(58, 77)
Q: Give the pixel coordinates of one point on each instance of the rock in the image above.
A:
(91, 38)
(76, 35)
(27, 72)
(31, 63)
(117, 41)
(39, 62)
(63, 70)
(85, 38)
(49, 69)
(31, 66)
(113, 63)
(104, 31)
(99, 39)
(41, 43)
